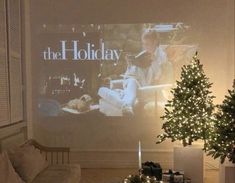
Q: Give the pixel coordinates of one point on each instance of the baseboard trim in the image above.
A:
(122, 150)
(126, 158)
(117, 164)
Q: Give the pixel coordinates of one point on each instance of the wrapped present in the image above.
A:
(173, 177)
(152, 169)
(178, 177)
(168, 177)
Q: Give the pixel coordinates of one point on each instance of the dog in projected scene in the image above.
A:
(80, 105)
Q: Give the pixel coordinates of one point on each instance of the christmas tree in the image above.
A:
(221, 142)
(188, 115)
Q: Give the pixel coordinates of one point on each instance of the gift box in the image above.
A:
(152, 169)
(173, 177)
(178, 177)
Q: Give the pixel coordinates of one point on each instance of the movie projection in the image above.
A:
(110, 69)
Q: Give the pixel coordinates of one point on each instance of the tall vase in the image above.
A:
(227, 172)
(190, 160)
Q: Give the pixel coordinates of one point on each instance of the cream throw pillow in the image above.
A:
(27, 161)
(7, 172)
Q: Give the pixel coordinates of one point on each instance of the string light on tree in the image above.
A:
(221, 142)
(188, 115)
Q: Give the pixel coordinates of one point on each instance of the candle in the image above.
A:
(139, 154)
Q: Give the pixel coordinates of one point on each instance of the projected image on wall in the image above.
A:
(110, 69)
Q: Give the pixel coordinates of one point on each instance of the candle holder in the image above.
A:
(140, 172)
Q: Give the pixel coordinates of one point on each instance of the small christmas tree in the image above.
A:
(188, 115)
(221, 142)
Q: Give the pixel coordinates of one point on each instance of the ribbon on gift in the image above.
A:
(151, 164)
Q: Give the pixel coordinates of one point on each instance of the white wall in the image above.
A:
(113, 143)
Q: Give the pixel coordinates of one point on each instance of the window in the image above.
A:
(11, 97)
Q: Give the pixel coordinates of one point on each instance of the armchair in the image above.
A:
(149, 98)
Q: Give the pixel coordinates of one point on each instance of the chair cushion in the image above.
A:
(65, 173)
(27, 161)
(8, 174)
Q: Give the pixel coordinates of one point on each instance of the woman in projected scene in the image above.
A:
(150, 67)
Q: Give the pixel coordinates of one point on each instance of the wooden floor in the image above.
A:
(117, 175)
